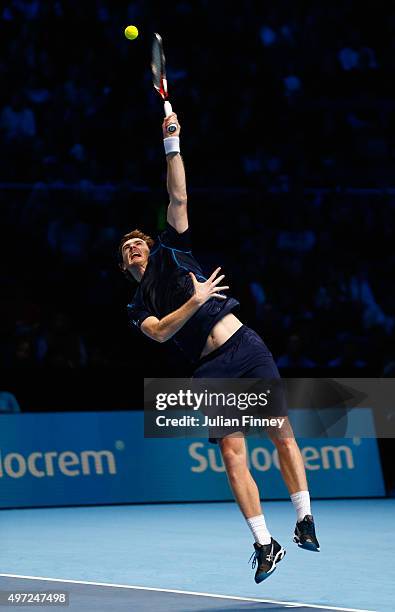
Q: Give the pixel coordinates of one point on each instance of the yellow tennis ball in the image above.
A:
(131, 32)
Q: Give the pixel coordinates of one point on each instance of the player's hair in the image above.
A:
(136, 233)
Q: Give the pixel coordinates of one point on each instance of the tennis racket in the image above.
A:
(158, 66)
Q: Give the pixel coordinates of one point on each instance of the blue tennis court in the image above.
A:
(195, 557)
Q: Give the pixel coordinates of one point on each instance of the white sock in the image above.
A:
(301, 502)
(259, 530)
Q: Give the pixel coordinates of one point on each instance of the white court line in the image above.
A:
(290, 604)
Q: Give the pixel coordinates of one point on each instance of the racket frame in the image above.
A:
(159, 77)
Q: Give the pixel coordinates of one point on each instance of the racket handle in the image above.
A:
(168, 111)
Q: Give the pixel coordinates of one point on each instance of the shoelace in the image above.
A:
(269, 557)
(306, 528)
(254, 560)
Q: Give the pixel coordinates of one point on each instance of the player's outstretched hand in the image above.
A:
(166, 122)
(208, 289)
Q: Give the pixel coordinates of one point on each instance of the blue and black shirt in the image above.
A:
(166, 285)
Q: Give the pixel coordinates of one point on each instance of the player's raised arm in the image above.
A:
(176, 184)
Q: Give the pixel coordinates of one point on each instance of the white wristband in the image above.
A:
(172, 144)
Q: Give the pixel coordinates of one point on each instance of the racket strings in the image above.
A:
(158, 66)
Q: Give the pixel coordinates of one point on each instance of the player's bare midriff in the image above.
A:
(221, 332)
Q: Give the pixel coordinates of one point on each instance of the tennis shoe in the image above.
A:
(266, 557)
(304, 535)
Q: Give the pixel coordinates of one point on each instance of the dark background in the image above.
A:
(288, 137)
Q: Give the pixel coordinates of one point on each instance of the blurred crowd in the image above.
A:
(281, 91)
(285, 107)
(309, 274)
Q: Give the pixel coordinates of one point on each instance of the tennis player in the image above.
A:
(174, 300)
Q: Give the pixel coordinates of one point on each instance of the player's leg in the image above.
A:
(231, 360)
(259, 364)
(245, 490)
(294, 475)
(268, 552)
(291, 462)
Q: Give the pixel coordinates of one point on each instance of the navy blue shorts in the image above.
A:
(244, 355)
